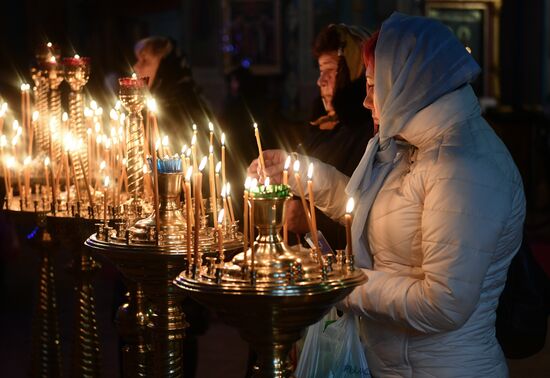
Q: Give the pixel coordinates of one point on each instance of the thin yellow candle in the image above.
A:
(10, 162)
(312, 205)
(106, 182)
(67, 145)
(202, 165)
(245, 216)
(156, 193)
(253, 186)
(3, 110)
(259, 143)
(229, 202)
(223, 159)
(220, 236)
(224, 200)
(194, 152)
(285, 182)
(349, 209)
(218, 168)
(211, 128)
(211, 180)
(35, 116)
(27, 179)
(198, 200)
(188, 217)
(24, 116)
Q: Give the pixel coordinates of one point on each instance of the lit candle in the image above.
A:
(223, 159)
(349, 209)
(211, 128)
(194, 152)
(106, 182)
(198, 200)
(212, 182)
(218, 168)
(10, 162)
(253, 186)
(156, 192)
(285, 182)
(260, 151)
(188, 214)
(220, 237)
(24, 108)
(35, 116)
(47, 175)
(228, 194)
(245, 216)
(202, 165)
(27, 178)
(67, 142)
(224, 199)
(166, 146)
(3, 110)
(302, 198)
(312, 205)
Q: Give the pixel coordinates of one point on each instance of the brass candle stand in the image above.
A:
(272, 293)
(150, 262)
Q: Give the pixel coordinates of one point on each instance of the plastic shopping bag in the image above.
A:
(332, 349)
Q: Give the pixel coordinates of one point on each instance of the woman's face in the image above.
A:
(369, 99)
(328, 68)
(147, 64)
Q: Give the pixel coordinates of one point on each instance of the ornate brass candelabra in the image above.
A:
(149, 262)
(77, 73)
(272, 293)
(132, 95)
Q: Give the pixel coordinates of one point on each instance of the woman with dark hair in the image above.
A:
(440, 209)
(342, 127)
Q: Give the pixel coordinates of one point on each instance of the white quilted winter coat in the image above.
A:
(442, 231)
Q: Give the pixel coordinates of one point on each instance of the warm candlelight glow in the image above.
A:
(296, 166)
(310, 171)
(106, 181)
(203, 163)
(152, 105)
(76, 56)
(218, 166)
(189, 174)
(47, 161)
(220, 217)
(266, 181)
(27, 160)
(211, 127)
(193, 140)
(349, 205)
(287, 163)
(223, 139)
(134, 76)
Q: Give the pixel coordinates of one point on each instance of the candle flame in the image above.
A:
(310, 171)
(89, 131)
(228, 189)
(134, 76)
(218, 167)
(124, 161)
(15, 124)
(47, 161)
(247, 183)
(296, 166)
(255, 125)
(165, 141)
(102, 165)
(27, 160)
(253, 183)
(145, 169)
(97, 127)
(194, 128)
(93, 105)
(3, 141)
(10, 161)
(188, 152)
(183, 149)
(211, 126)
(223, 192)
(3, 109)
(152, 105)
(189, 173)
(223, 139)
(203, 163)
(35, 115)
(76, 56)
(211, 149)
(24, 87)
(287, 163)
(49, 44)
(106, 181)
(266, 181)
(350, 205)
(64, 117)
(99, 111)
(220, 216)
(113, 114)
(52, 59)
(118, 104)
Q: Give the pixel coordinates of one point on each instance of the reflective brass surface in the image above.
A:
(273, 302)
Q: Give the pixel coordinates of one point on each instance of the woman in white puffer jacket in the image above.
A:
(440, 209)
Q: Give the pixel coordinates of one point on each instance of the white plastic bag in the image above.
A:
(332, 349)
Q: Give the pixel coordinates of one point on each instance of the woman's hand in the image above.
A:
(296, 217)
(274, 165)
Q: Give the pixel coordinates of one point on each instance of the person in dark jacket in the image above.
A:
(171, 83)
(342, 127)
